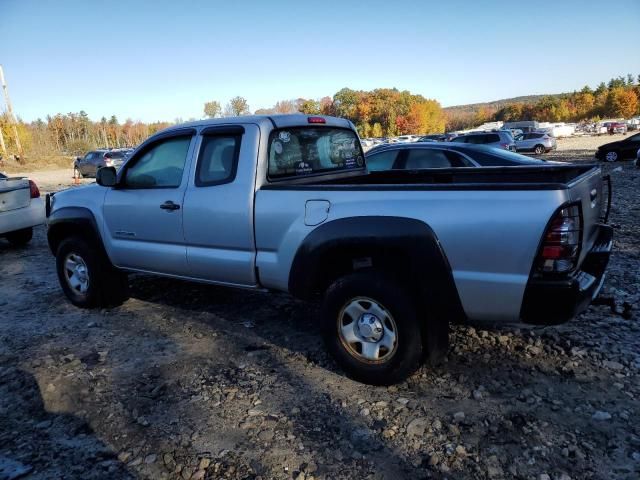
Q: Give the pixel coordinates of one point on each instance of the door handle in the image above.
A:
(169, 205)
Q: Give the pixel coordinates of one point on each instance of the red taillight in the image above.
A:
(505, 146)
(561, 243)
(316, 120)
(33, 189)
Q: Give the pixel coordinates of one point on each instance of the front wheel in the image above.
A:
(539, 150)
(19, 238)
(611, 156)
(371, 328)
(87, 279)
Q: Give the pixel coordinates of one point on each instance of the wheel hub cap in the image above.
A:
(367, 330)
(76, 273)
(370, 328)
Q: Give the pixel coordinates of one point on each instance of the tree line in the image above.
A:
(619, 98)
(376, 113)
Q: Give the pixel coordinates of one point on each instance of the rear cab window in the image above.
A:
(304, 151)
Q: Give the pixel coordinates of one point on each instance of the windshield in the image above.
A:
(303, 151)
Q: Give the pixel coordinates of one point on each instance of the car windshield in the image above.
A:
(115, 155)
(303, 151)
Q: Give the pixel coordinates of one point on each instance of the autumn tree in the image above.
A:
(212, 109)
(621, 102)
(237, 106)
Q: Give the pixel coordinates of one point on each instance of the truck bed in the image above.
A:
(538, 177)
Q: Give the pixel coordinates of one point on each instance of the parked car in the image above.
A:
(616, 127)
(21, 209)
(88, 165)
(443, 155)
(437, 137)
(285, 202)
(500, 139)
(619, 150)
(537, 143)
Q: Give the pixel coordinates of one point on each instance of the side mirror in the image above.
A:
(106, 176)
(78, 159)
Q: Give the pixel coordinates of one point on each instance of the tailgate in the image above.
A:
(588, 190)
(14, 194)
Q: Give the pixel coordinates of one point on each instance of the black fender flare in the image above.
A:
(67, 221)
(427, 268)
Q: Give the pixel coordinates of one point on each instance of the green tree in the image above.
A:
(212, 109)
(236, 107)
(309, 107)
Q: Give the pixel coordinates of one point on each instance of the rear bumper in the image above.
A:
(22, 217)
(549, 302)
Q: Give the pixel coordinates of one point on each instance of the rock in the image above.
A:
(365, 412)
(601, 415)
(437, 424)
(199, 475)
(255, 412)
(458, 416)
(124, 456)
(204, 464)
(150, 458)
(461, 451)
(44, 424)
(11, 469)
(402, 400)
(477, 395)
(613, 365)
(544, 476)
(417, 427)
(266, 435)
(636, 456)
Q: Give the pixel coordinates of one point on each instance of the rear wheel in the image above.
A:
(371, 328)
(539, 149)
(20, 238)
(87, 279)
(611, 156)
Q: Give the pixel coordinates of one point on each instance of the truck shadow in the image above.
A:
(59, 445)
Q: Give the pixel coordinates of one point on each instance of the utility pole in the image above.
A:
(12, 119)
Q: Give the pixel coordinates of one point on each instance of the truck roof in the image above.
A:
(268, 121)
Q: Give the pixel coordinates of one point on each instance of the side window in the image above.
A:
(460, 139)
(382, 161)
(475, 139)
(427, 158)
(492, 138)
(160, 165)
(218, 160)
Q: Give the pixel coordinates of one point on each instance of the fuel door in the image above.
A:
(316, 212)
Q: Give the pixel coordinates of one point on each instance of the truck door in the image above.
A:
(218, 206)
(143, 214)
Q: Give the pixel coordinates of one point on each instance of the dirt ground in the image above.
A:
(192, 381)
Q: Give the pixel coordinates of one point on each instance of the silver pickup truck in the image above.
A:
(286, 203)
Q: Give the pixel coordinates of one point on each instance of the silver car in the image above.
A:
(537, 143)
(498, 139)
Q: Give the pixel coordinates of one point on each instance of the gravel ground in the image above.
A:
(192, 381)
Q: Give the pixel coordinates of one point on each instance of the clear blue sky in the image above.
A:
(161, 60)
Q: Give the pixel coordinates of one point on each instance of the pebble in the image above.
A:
(601, 415)
(417, 427)
(458, 416)
(150, 459)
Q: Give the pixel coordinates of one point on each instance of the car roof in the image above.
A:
(465, 148)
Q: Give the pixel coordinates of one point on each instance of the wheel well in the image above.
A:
(339, 261)
(61, 231)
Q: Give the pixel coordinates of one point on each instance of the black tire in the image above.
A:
(539, 149)
(107, 286)
(408, 353)
(20, 238)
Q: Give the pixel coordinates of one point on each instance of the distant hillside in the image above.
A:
(498, 104)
